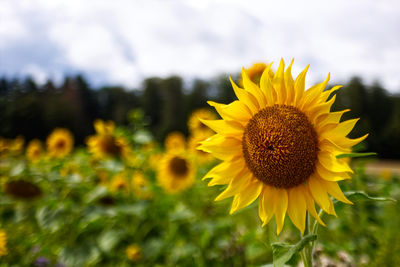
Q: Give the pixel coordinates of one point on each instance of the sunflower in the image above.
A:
(3, 243)
(119, 183)
(134, 252)
(141, 186)
(34, 150)
(59, 143)
(254, 73)
(22, 189)
(196, 126)
(279, 144)
(176, 172)
(13, 146)
(175, 141)
(105, 143)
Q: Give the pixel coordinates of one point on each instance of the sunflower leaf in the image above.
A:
(356, 155)
(283, 252)
(361, 195)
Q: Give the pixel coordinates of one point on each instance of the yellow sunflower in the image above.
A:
(254, 73)
(105, 143)
(175, 141)
(13, 146)
(119, 183)
(196, 126)
(134, 252)
(176, 172)
(59, 143)
(279, 144)
(141, 186)
(34, 150)
(3, 243)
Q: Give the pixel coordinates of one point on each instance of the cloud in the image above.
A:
(122, 42)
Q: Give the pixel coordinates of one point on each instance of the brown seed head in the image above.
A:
(178, 166)
(280, 146)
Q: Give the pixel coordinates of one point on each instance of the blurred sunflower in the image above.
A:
(279, 144)
(13, 146)
(119, 183)
(59, 143)
(254, 73)
(34, 150)
(141, 186)
(196, 126)
(22, 189)
(3, 243)
(134, 252)
(175, 141)
(176, 172)
(105, 143)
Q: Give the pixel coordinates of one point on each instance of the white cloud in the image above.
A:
(124, 41)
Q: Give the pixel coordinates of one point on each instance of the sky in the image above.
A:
(122, 42)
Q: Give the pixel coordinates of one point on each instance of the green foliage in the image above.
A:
(283, 252)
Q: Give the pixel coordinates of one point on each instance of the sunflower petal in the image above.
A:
(281, 204)
(278, 83)
(347, 142)
(329, 118)
(236, 185)
(248, 99)
(267, 199)
(342, 129)
(299, 84)
(221, 147)
(249, 194)
(311, 96)
(335, 191)
(330, 162)
(311, 206)
(289, 84)
(266, 86)
(253, 89)
(223, 172)
(329, 175)
(325, 95)
(319, 110)
(226, 128)
(297, 207)
(234, 111)
(320, 195)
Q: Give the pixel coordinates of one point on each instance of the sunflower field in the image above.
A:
(125, 199)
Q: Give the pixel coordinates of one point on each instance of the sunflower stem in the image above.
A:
(306, 253)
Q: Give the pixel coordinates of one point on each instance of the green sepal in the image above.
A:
(356, 155)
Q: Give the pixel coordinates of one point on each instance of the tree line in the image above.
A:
(33, 110)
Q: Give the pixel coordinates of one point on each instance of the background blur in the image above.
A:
(64, 63)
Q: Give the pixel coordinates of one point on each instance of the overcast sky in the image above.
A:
(123, 42)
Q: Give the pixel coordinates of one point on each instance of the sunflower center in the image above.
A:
(280, 146)
(178, 166)
(60, 144)
(109, 145)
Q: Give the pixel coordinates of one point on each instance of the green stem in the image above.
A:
(306, 253)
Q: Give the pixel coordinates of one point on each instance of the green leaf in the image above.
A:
(109, 239)
(361, 195)
(283, 252)
(50, 219)
(356, 155)
(83, 254)
(97, 193)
